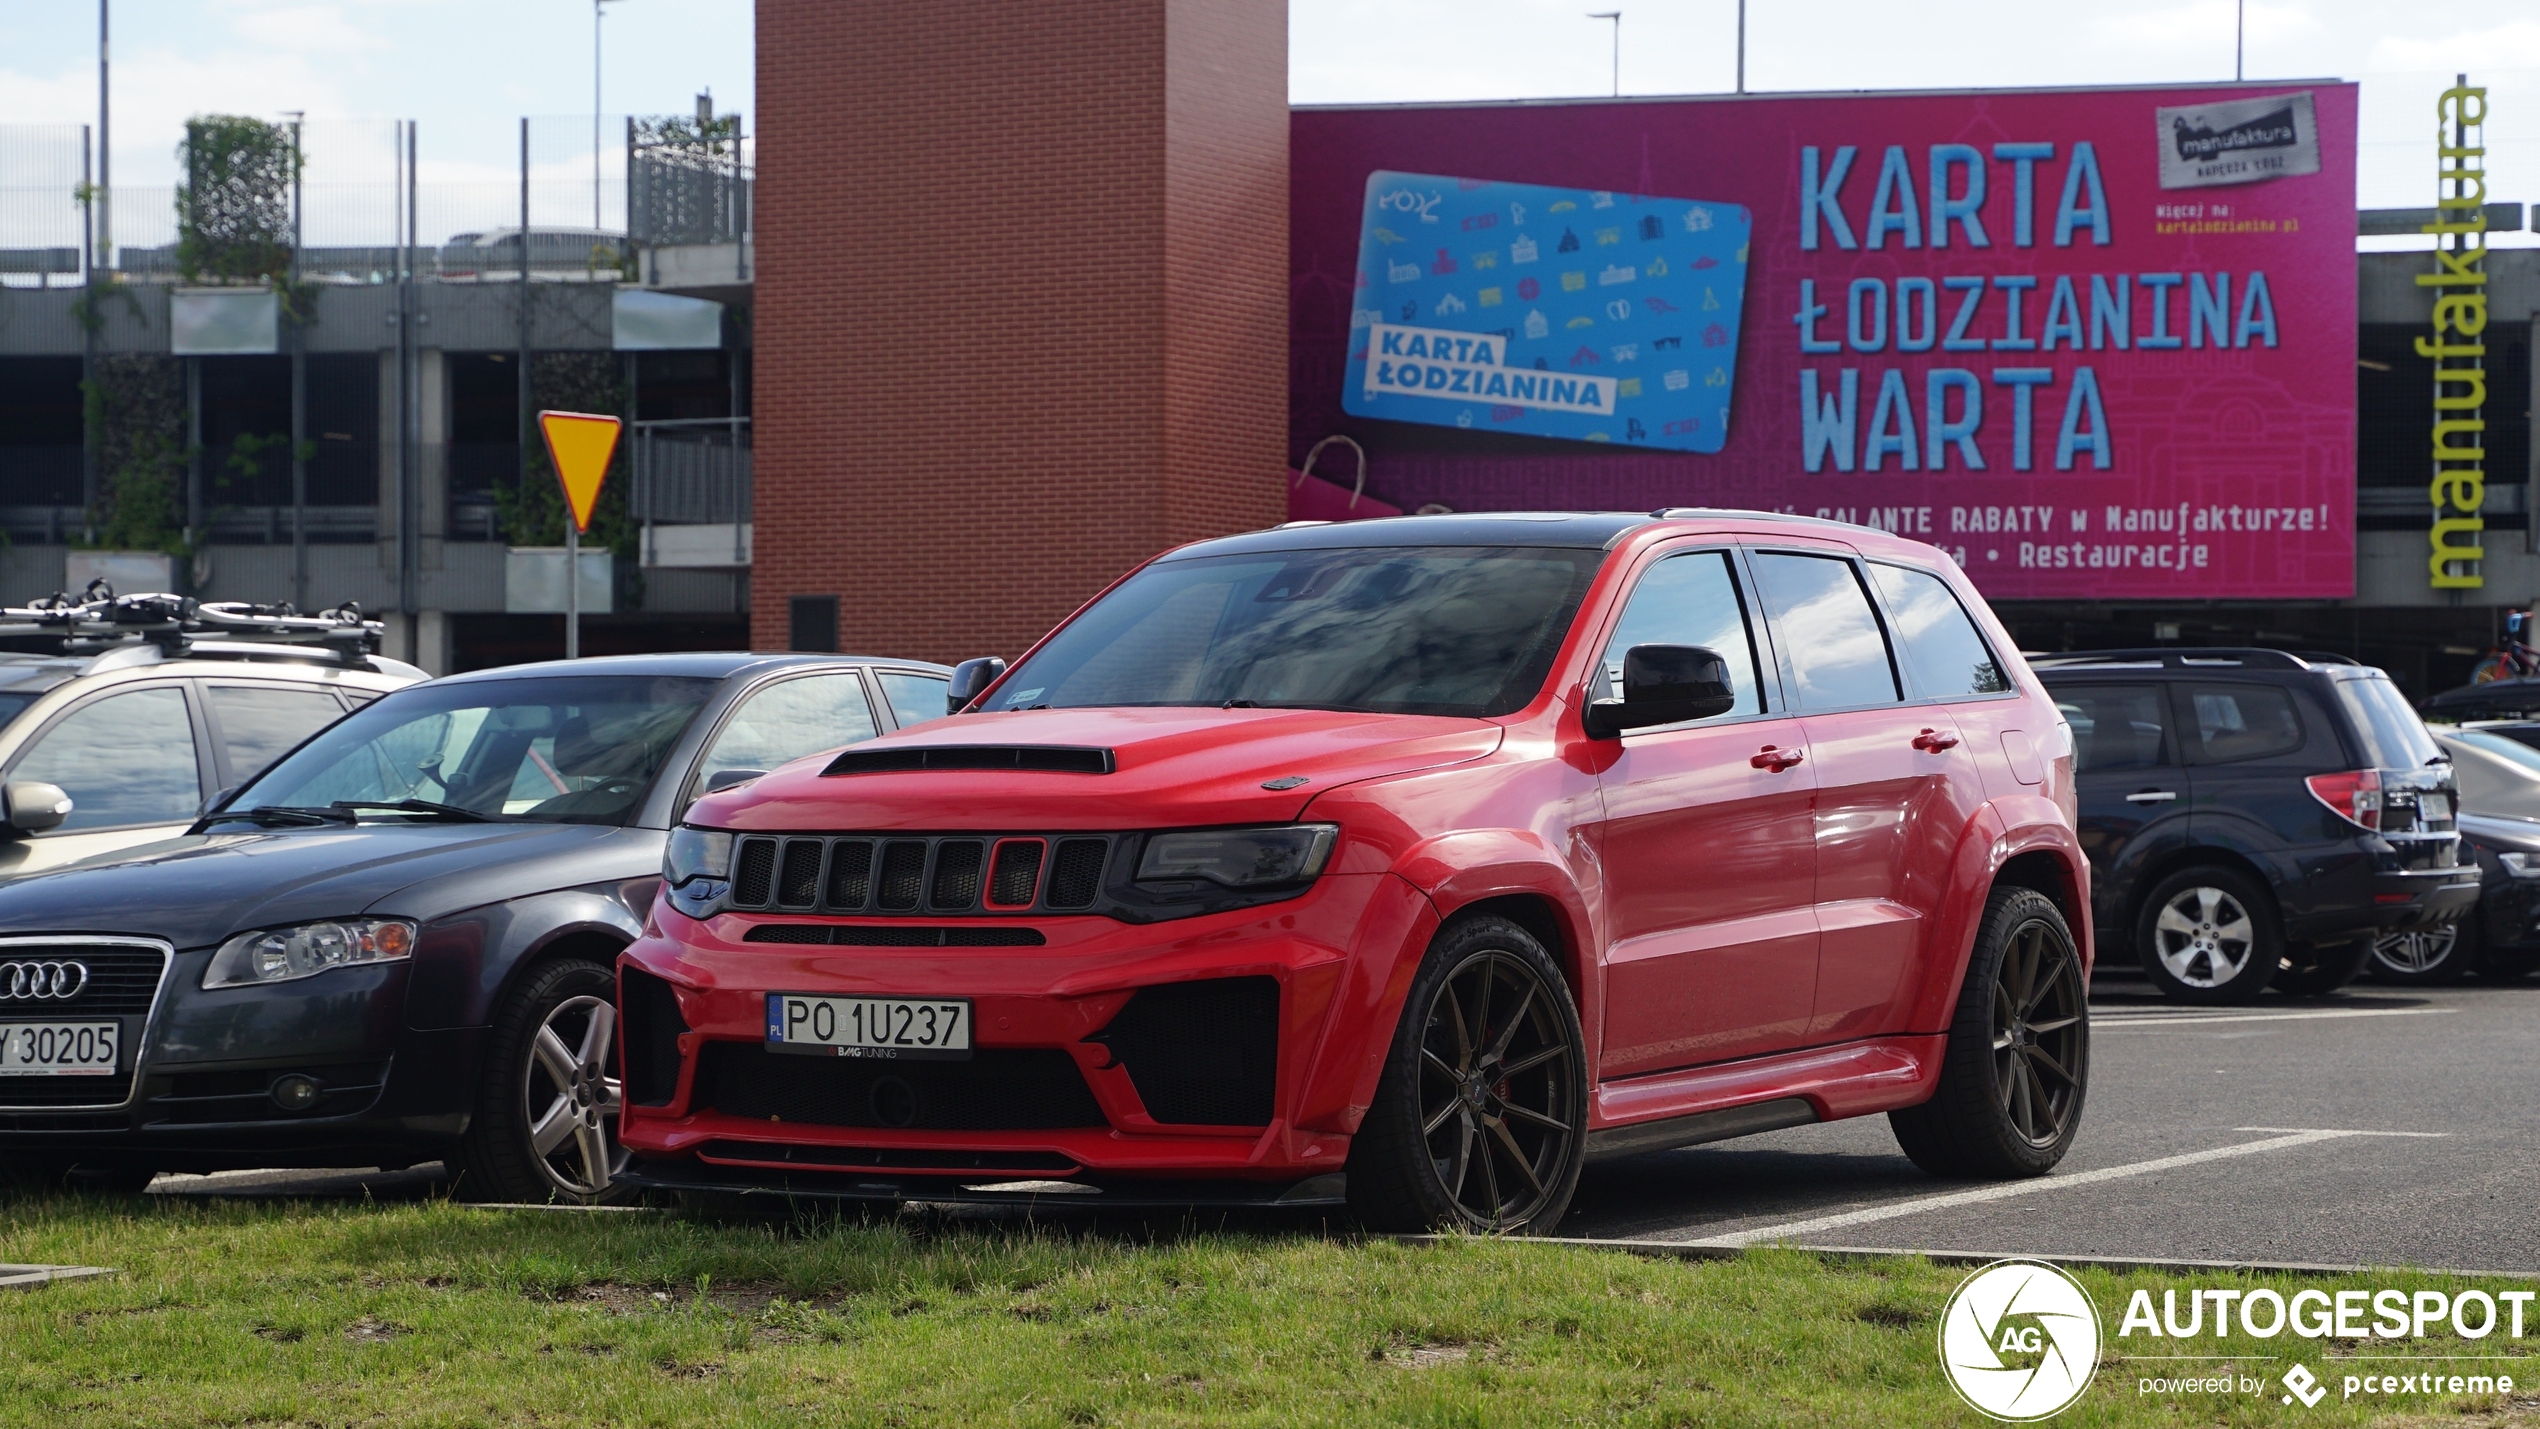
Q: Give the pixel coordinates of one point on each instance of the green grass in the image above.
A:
(431, 1314)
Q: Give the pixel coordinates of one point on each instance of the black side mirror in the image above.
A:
(723, 779)
(969, 679)
(28, 807)
(1663, 684)
(214, 804)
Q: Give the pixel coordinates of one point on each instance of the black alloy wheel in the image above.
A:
(2017, 1063)
(1481, 1118)
(2037, 1032)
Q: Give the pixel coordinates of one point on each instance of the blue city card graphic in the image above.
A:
(1601, 317)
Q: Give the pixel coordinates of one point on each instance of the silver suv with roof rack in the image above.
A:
(122, 716)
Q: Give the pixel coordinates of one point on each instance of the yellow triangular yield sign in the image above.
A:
(580, 444)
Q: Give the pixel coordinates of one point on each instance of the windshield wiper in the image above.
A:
(279, 814)
(415, 806)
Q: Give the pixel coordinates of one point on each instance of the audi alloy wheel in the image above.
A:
(570, 1095)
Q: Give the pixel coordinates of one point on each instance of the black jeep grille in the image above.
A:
(998, 1089)
(922, 874)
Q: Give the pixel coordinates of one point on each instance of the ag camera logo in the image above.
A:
(2019, 1340)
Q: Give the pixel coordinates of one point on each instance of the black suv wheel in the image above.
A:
(2018, 1061)
(2208, 934)
(1480, 1121)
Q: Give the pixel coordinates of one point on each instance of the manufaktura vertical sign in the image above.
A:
(2458, 347)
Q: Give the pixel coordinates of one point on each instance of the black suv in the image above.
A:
(2254, 817)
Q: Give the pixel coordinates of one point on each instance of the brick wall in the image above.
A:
(1021, 304)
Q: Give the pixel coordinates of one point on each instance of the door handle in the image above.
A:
(2152, 796)
(1776, 760)
(1932, 741)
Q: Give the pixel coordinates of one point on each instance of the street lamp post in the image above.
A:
(1617, 17)
(596, 12)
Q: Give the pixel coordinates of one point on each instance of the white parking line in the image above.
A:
(1793, 1230)
(2131, 1022)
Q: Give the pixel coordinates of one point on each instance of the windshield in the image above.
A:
(1443, 630)
(2393, 736)
(2511, 750)
(571, 749)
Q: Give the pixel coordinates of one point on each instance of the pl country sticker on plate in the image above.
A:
(1601, 317)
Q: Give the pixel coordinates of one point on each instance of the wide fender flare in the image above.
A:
(1456, 871)
(2002, 830)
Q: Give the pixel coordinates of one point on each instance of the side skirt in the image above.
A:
(1702, 1126)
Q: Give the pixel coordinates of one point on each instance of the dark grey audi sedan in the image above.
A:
(396, 944)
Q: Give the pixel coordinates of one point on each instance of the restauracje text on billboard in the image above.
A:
(2092, 343)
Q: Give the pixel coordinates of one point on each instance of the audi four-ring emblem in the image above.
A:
(38, 982)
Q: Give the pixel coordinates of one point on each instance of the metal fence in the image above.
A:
(584, 193)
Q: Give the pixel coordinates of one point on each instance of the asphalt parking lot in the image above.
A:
(2378, 1126)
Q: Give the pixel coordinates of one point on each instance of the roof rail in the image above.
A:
(101, 621)
(2172, 657)
(1742, 513)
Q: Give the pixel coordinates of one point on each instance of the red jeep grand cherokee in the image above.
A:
(1446, 852)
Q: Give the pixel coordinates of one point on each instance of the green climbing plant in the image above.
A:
(233, 212)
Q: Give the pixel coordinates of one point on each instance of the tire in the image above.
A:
(2209, 934)
(561, 1086)
(2016, 1068)
(2317, 970)
(2424, 957)
(2492, 963)
(1476, 1131)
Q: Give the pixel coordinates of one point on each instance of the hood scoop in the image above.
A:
(987, 758)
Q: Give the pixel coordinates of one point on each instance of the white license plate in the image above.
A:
(911, 1028)
(59, 1049)
(2434, 808)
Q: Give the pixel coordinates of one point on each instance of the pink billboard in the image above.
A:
(2093, 343)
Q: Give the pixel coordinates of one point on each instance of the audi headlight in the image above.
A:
(1240, 858)
(2519, 863)
(286, 954)
(696, 869)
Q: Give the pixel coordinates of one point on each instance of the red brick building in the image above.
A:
(1021, 309)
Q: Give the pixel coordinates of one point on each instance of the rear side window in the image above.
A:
(2115, 726)
(1821, 616)
(1949, 658)
(1690, 600)
(2235, 722)
(260, 724)
(2392, 735)
(913, 696)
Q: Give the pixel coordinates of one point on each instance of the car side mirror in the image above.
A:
(28, 807)
(970, 679)
(723, 779)
(214, 804)
(1663, 684)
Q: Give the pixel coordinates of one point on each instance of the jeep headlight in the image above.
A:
(287, 954)
(1240, 858)
(696, 869)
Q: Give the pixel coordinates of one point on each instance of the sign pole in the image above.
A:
(572, 592)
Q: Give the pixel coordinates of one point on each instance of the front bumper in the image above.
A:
(194, 1092)
(1250, 1059)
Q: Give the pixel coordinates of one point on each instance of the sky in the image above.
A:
(466, 69)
